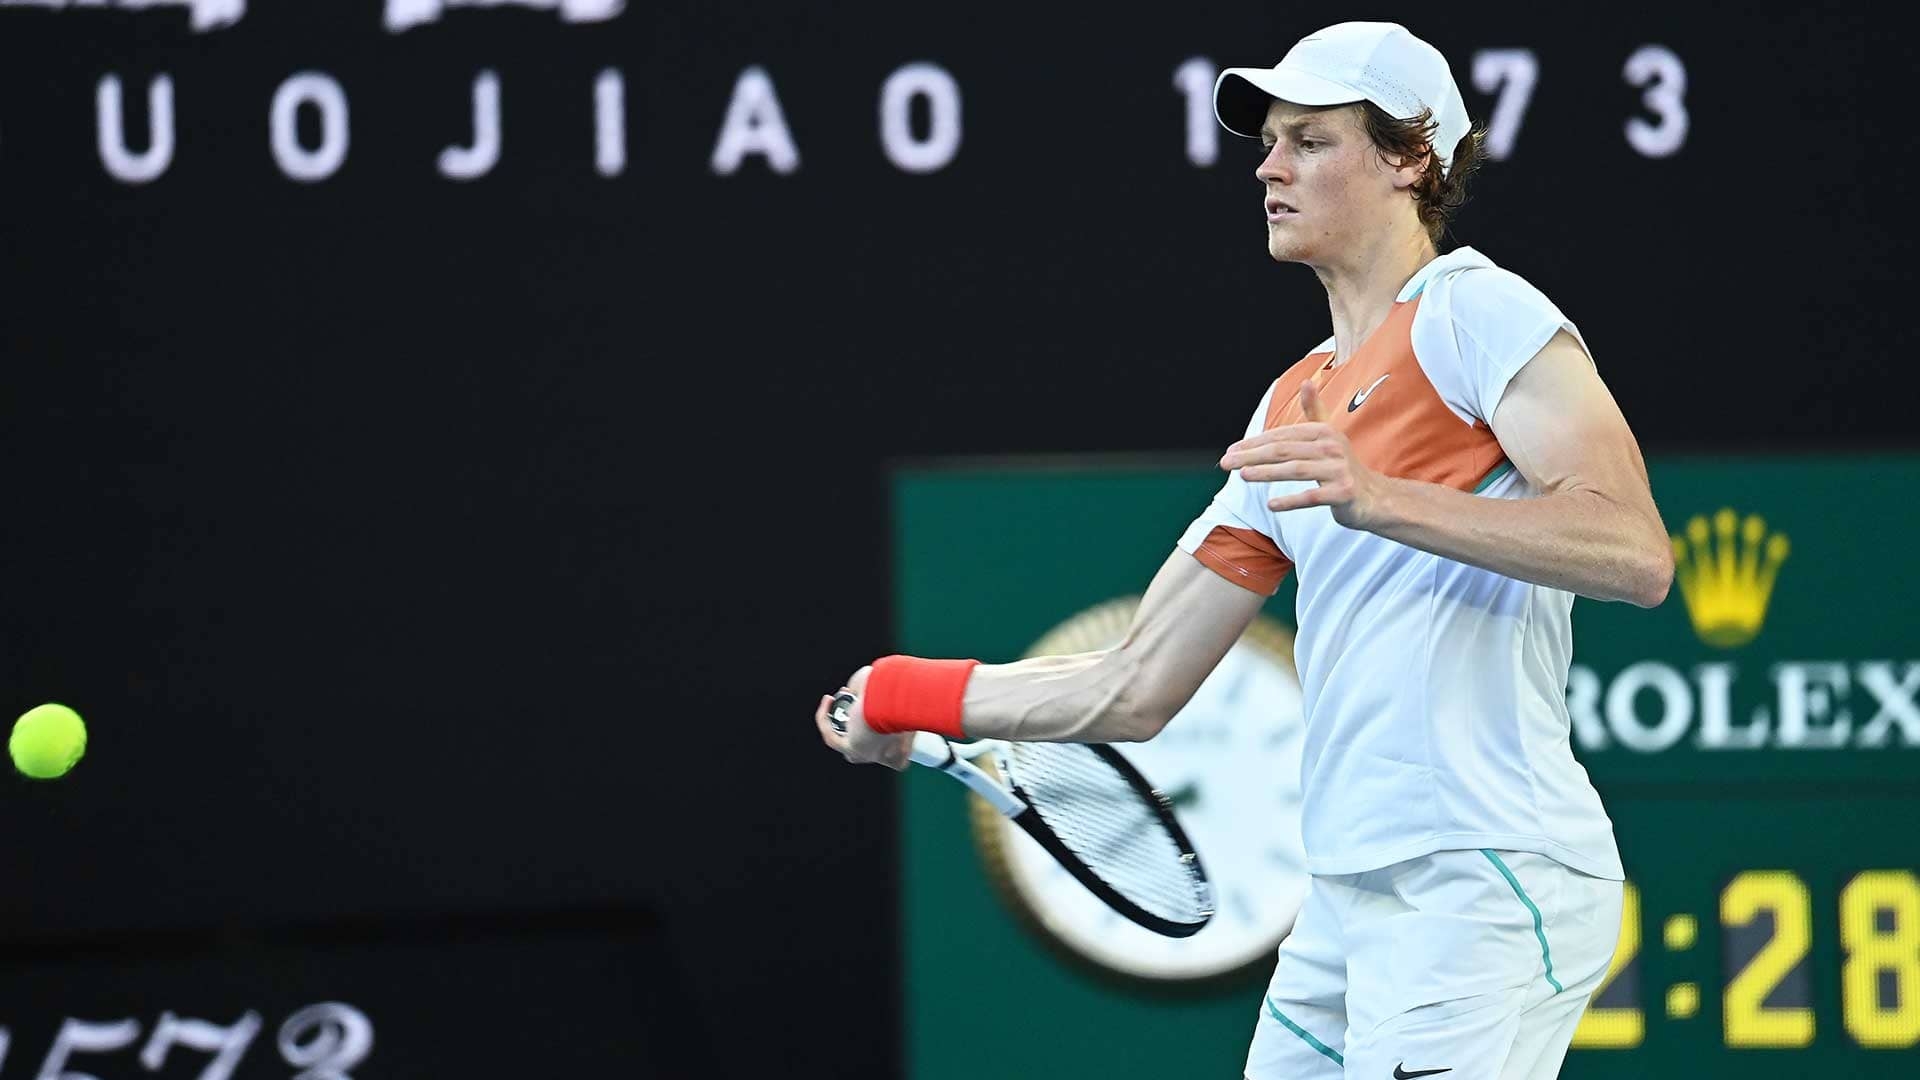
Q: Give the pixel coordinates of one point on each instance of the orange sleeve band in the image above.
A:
(1245, 558)
(906, 693)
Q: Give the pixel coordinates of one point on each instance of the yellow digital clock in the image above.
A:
(1768, 929)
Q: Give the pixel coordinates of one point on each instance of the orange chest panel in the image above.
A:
(1382, 400)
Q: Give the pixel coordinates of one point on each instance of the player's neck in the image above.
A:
(1361, 289)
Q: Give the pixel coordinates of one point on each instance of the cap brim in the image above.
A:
(1241, 95)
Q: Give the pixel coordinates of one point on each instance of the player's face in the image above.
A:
(1327, 188)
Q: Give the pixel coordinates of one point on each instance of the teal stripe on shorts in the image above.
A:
(1545, 953)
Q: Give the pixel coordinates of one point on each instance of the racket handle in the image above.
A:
(931, 750)
(928, 749)
(841, 708)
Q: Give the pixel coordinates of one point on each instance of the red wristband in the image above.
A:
(906, 693)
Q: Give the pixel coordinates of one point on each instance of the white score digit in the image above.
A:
(227, 1044)
(325, 1040)
(85, 1037)
(1512, 74)
(1665, 98)
(1195, 80)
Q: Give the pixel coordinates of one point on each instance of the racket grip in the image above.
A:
(841, 708)
(928, 749)
(931, 750)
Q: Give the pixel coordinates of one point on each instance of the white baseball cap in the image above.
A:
(1344, 63)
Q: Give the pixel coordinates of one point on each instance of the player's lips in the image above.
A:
(1277, 211)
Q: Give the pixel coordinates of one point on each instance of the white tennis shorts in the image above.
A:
(1460, 965)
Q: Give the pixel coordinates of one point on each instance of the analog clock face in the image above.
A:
(1230, 764)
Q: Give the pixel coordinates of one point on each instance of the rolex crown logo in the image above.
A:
(1726, 574)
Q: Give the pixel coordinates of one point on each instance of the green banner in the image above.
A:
(1756, 740)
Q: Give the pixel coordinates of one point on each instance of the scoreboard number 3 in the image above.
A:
(1664, 79)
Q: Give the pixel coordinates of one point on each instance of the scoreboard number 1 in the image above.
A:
(1510, 75)
(1194, 79)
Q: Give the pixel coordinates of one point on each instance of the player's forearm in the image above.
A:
(1575, 539)
(1086, 697)
(1189, 618)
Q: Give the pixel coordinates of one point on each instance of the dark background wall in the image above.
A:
(447, 569)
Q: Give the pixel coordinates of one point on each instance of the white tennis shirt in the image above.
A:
(1434, 692)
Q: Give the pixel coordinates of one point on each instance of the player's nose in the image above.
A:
(1272, 169)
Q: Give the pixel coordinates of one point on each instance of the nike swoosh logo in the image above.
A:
(1400, 1071)
(1360, 399)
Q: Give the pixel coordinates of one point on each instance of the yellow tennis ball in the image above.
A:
(47, 740)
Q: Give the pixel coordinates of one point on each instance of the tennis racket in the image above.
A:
(1090, 809)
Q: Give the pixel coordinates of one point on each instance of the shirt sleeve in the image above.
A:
(1476, 329)
(1228, 537)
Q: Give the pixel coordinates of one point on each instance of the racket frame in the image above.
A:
(1009, 801)
(1162, 810)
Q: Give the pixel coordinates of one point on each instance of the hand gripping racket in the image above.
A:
(1090, 809)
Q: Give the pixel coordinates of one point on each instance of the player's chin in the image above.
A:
(1284, 248)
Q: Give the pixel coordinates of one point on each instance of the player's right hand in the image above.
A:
(861, 744)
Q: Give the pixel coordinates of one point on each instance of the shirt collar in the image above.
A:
(1463, 258)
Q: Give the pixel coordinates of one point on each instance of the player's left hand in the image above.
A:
(1311, 451)
(861, 744)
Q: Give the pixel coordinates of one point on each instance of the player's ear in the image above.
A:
(1408, 171)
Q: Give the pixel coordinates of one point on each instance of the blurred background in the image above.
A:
(450, 445)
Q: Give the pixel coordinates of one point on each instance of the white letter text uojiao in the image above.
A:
(755, 125)
(473, 162)
(323, 93)
(904, 149)
(610, 123)
(109, 114)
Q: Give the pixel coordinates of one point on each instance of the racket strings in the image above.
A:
(1108, 825)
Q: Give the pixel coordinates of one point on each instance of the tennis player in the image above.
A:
(1443, 473)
